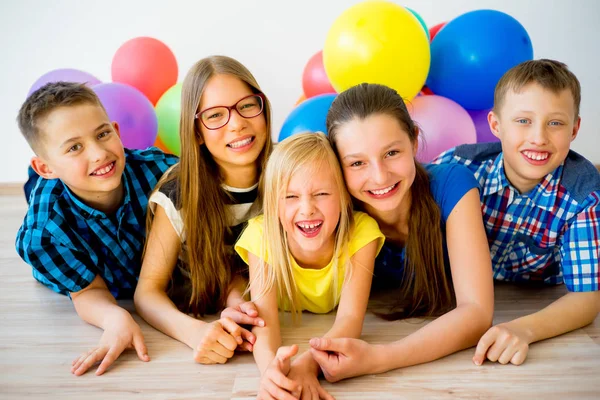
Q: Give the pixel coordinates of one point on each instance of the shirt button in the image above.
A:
(509, 218)
(493, 253)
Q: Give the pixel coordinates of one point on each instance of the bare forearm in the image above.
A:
(95, 305)
(268, 340)
(346, 326)
(160, 312)
(570, 312)
(456, 330)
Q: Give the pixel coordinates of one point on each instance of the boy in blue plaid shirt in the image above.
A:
(84, 231)
(540, 203)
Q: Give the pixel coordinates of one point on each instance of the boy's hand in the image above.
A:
(504, 344)
(342, 358)
(216, 342)
(274, 384)
(124, 333)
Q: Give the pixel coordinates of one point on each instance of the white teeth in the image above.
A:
(535, 155)
(104, 170)
(240, 143)
(382, 191)
(309, 226)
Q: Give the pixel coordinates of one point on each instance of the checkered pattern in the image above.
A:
(68, 243)
(549, 235)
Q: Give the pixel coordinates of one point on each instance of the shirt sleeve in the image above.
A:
(580, 249)
(366, 230)
(449, 184)
(251, 240)
(58, 266)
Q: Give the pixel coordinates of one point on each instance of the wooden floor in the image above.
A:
(40, 334)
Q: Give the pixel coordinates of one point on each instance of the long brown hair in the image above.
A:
(425, 287)
(201, 197)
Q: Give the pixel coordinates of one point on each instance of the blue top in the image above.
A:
(68, 243)
(448, 184)
(549, 235)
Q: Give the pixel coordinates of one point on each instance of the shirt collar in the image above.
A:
(543, 195)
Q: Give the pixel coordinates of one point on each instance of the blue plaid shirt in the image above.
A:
(68, 243)
(549, 235)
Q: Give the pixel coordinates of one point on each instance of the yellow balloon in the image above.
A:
(377, 42)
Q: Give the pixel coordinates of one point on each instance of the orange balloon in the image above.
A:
(161, 146)
(300, 99)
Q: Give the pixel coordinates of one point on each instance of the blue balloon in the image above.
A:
(309, 115)
(472, 52)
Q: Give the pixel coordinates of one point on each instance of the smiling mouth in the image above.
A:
(536, 155)
(309, 228)
(240, 143)
(381, 192)
(104, 170)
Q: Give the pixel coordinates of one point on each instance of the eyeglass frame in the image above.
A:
(262, 97)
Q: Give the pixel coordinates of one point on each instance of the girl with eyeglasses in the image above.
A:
(199, 208)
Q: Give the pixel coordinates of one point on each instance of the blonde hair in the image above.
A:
(297, 153)
(202, 200)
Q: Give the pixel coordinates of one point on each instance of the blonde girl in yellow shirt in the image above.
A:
(308, 252)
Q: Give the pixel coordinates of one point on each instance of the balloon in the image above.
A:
(310, 116)
(443, 124)
(469, 56)
(168, 112)
(433, 31)
(377, 42)
(314, 78)
(426, 91)
(147, 64)
(421, 21)
(132, 111)
(66, 75)
(480, 119)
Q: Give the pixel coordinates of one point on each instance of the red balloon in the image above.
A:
(147, 64)
(425, 91)
(435, 29)
(314, 78)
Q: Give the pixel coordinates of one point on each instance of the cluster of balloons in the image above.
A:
(446, 74)
(144, 97)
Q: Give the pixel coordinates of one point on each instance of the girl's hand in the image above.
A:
(243, 314)
(342, 358)
(503, 344)
(215, 342)
(305, 372)
(123, 333)
(274, 384)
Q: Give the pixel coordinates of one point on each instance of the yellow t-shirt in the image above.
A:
(315, 286)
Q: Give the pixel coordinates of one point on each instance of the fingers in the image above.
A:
(329, 344)
(484, 344)
(327, 362)
(239, 317)
(285, 353)
(76, 365)
(280, 386)
(246, 346)
(88, 360)
(140, 347)
(324, 394)
(234, 330)
(110, 357)
(519, 357)
(248, 336)
(250, 309)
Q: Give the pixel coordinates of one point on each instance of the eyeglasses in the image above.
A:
(217, 117)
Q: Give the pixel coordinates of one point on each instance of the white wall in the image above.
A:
(274, 39)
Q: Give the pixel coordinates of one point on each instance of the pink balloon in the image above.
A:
(443, 124)
(314, 77)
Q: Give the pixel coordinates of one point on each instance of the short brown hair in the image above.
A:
(48, 98)
(549, 74)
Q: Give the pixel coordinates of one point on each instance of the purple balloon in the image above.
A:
(484, 133)
(132, 111)
(64, 74)
(443, 124)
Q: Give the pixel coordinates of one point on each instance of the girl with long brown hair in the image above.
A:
(436, 248)
(199, 208)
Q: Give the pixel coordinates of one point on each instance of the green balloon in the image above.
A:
(168, 111)
(421, 21)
